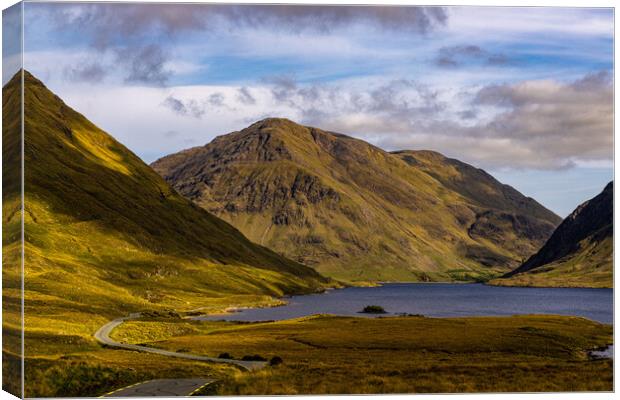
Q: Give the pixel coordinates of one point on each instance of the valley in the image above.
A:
(105, 236)
(255, 217)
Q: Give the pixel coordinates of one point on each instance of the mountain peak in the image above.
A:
(274, 122)
(287, 132)
(355, 211)
(29, 79)
(77, 173)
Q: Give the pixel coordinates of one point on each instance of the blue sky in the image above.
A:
(525, 93)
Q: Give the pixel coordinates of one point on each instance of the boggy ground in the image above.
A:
(329, 354)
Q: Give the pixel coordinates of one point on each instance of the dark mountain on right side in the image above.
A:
(578, 254)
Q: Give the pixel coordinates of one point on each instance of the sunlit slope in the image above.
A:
(105, 235)
(505, 217)
(354, 211)
(579, 253)
(11, 234)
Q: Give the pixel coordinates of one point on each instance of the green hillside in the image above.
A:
(578, 254)
(356, 212)
(106, 236)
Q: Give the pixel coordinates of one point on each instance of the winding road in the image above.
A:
(103, 336)
(163, 387)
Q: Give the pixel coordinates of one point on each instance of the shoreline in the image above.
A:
(547, 287)
(283, 301)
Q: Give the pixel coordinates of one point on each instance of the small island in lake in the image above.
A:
(373, 310)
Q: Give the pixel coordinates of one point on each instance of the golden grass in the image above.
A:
(327, 354)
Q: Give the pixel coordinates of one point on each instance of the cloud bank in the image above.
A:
(142, 35)
(543, 124)
(517, 92)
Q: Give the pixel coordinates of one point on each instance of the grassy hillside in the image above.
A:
(578, 254)
(105, 236)
(356, 212)
(329, 354)
(11, 248)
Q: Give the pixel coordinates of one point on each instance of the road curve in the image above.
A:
(103, 336)
(162, 387)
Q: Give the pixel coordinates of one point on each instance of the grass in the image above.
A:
(99, 371)
(328, 354)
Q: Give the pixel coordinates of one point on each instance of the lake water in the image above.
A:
(441, 300)
(607, 352)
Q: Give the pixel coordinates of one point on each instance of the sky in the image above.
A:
(524, 93)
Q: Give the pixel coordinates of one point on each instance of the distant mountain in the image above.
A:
(356, 212)
(579, 253)
(105, 234)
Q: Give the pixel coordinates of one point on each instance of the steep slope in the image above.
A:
(105, 235)
(355, 211)
(508, 219)
(579, 253)
(11, 248)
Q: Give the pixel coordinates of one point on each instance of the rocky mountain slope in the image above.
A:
(356, 212)
(579, 253)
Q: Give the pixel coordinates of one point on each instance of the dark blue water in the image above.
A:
(441, 300)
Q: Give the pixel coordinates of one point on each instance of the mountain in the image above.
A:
(579, 253)
(356, 212)
(105, 235)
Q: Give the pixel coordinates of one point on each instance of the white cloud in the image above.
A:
(532, 124)
(478, 22)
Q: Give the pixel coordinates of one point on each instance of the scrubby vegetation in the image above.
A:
(275, 360)
(254, 357)
(373, 310)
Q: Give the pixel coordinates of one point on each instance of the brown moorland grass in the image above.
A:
(329, 354)
(94, 371)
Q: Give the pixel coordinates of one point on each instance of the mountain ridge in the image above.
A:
(328, 199)
(578, 253)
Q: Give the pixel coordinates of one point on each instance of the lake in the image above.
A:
(440, 300)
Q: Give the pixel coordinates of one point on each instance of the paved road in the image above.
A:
(103, 336)
(162, 387)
